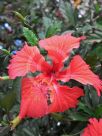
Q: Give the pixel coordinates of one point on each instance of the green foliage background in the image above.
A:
(36, 19)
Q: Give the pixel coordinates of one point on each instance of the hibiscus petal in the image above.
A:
(64, 98)
(59, 47)
(33, 100)
(27, 60)
(94, 128)
(80, 71)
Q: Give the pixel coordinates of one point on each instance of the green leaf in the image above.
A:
(27, 132)
(91, 59)
(6, 52)
(19, 15)
(77, 116)
(98, 51)
(8, 101)
(84, 108)
(22, 18)
(57, 116)
(94, 55)
(30, 36)
(4, 130)
(47, 21)
(52, 30)
(4, 77)
(94, 38)
(68, 12)
(75, 134)
(98, 111)
(51, 26)
(97, 7)
(93, 94)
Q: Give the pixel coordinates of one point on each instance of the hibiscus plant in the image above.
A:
(55, 73)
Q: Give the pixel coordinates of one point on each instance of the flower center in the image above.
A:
(46, 87)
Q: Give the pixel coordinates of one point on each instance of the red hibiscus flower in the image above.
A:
(40, 96)
(43, 94)
(94, 128)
